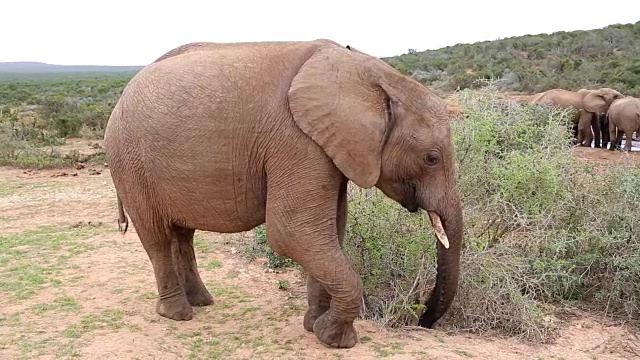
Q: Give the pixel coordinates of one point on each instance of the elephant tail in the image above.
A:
(122, 217)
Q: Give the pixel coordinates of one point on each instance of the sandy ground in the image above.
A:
(72, 287)
(607, 157)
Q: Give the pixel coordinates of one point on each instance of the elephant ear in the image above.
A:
(608, 94)
(595, 103)
(335, 100)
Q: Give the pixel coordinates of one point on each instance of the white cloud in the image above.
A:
(135, 32)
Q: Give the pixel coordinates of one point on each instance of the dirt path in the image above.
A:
(72, 287)
(607, 157)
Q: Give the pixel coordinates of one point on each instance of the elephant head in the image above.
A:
(384, 129)
(598, 101)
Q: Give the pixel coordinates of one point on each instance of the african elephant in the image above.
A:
(584, 132)
(587, 124)
(624, 118)
(225, 137)
(596, 102)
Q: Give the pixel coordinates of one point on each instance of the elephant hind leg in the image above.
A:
(157, 242)
(185, 261)
(619, 139)
(627, 141)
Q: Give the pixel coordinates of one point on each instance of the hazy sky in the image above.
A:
(136, 32)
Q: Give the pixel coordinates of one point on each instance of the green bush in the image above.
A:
(541, 228)
(40, 111)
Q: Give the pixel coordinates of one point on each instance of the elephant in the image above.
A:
(224, 137)
(586, 125)
(624, 118)
(583, 127)
(596, 102)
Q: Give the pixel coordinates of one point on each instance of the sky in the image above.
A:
(136, 32)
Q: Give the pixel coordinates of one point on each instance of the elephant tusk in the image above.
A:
(439, 230)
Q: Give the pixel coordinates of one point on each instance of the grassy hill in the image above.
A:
(602, 57)
(17, 71)
(38, 67)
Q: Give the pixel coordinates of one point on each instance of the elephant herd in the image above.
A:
(602, 116)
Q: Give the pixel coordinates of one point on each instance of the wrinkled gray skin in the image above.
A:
(225, 137)
(624, 119)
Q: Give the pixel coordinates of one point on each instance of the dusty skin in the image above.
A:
(72, 287)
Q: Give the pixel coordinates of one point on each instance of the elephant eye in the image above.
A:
(432, 158)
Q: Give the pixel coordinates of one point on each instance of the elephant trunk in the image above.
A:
(449, 246)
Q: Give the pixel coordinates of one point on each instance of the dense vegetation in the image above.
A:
(43, 110)
(533, 63)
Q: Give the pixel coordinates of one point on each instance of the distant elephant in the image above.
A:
(225, 137)
(596, 102)
(584, 131)
(587, 124)
(624, 119)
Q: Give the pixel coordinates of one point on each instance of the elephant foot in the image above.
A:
(199, 297)
(177, 309)
(312, 315)
(334, 332)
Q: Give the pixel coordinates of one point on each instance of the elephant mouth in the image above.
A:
(412, 205)
(410, 202)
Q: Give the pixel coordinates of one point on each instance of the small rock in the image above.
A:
(79, 166)
(94, 172)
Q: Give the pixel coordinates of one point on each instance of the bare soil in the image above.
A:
(607, 157)
(72, 287)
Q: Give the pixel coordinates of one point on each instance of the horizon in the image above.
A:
(69, 33)
(406, 51)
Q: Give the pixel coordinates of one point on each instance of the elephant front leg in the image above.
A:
(318, 298)
(306, 230)
(319, 301)
(185, 260)
(335, 326)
